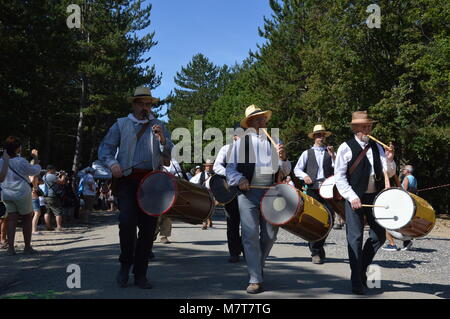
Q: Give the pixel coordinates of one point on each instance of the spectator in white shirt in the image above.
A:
(89, 194)
(16, 192)
(361, 187)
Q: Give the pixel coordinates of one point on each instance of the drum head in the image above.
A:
(220, 189)
(326, 189)
(156, 193)
(280, 204)
(398, 208)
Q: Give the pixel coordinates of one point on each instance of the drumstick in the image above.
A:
(381, 143)
(366, 205)
(261, 187)
(270, 138)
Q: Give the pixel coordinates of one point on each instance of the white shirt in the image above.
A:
(344, 156)
(319, 152)
(219, 162)
(196, 178)
(174, 168)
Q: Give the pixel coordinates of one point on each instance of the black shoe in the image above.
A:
(364, 281)
(143, 283)
(358, 291)
(233, 259)
(122, 276)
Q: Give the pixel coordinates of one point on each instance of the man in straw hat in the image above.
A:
(360, 187)
(142, 145)
(313, 167)
(253, 165)
(201, 179)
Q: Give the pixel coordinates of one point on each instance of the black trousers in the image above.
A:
(233, 222)
(316, 248)
(134, 247)
(361, 258)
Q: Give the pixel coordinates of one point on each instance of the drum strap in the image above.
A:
(142, 131)
(358, 160)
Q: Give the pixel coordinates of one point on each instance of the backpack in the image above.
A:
(59, 190)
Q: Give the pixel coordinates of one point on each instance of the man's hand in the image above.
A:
(307, 180)
(281, 152)
(330, 150)
(244, 185)
(356, 204)
(116, 171)
(390, 153)
(34, 153)
(157, 130)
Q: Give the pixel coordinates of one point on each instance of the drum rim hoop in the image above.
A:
(401, 189)
(139, 192)
(265, 193)
(224, 203)
(334, 185)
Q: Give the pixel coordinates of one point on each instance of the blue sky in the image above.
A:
(223, 30)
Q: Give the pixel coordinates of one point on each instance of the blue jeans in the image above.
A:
(258, 236)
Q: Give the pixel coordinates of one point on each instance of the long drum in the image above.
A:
(329, 192)
(404, 213)
(284, 205)
(161, 193)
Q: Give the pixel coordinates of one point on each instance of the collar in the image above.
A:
(362, 143)
(136, 121)
(319, 148)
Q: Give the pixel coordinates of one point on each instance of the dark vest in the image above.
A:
(359, 180)
(312, 167)
(203, 177)
(248, 167)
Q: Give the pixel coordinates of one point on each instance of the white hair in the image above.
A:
(409, 168)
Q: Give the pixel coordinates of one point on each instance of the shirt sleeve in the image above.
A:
(231, 172)
(299, 168)
(28, 169)
(219, 167)
(108, 147)
(343, 157)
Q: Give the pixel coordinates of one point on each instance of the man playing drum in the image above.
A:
(143, 145)
(232, 208)
(360, 188)
(313, 167)
(252, 167)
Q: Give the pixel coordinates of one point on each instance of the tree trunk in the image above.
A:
(79, 139)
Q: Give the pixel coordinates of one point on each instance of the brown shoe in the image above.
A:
(255, 288)
(164, 240)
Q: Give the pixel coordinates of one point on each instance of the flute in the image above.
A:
(381, 143)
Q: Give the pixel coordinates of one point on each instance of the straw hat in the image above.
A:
(361, 117)
(142, 93)
(319, 128)
(253, 110)
(209, 162)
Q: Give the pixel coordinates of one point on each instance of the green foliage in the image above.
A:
(321, 62)
(43, 62)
